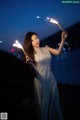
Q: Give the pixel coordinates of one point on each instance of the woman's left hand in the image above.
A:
(64, 35)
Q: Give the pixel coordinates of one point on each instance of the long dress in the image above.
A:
(47, 96)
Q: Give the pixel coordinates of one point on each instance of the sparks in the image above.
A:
(18, 45)
(52, 21)
(0, 41)
(56, 22)
(38, 17)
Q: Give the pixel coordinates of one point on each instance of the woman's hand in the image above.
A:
(64, 35)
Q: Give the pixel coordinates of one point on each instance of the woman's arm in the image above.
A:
(57, 52)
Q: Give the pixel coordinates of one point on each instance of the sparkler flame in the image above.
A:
(48, 19)
(18, 45)
(52, 21)
(55, 22)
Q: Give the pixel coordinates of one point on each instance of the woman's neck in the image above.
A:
(37, 48)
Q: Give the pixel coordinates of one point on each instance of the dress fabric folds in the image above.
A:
(46, 90)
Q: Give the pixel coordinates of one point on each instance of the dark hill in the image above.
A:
(17, 88)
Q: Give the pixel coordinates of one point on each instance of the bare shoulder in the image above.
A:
(47, 47)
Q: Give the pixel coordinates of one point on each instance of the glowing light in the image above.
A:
(12, 50)
(38, 17)
(66, 43)
(18, 45)
(47, 18)
(52, 21)
(56, 22)
(64, 49)
(0, 41)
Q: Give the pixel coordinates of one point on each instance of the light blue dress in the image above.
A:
(45, 85)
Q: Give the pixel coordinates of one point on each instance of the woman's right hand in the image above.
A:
(27, 58)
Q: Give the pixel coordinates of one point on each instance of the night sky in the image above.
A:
(17, 17)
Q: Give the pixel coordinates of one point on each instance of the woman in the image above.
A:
(46, 90)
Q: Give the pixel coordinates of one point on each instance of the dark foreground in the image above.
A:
(17, 92)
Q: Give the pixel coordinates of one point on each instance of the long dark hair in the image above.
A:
(27, 45)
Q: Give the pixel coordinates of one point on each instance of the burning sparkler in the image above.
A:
(55, 22)
(52, 21)
(18, 45)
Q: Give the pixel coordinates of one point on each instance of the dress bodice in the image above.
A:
(43, 59)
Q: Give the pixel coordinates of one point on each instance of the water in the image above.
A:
(66, 67)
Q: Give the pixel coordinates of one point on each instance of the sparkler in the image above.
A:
(55, 22)
(18, 45)
(52, 21)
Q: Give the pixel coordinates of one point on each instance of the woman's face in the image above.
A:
(35, 41)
